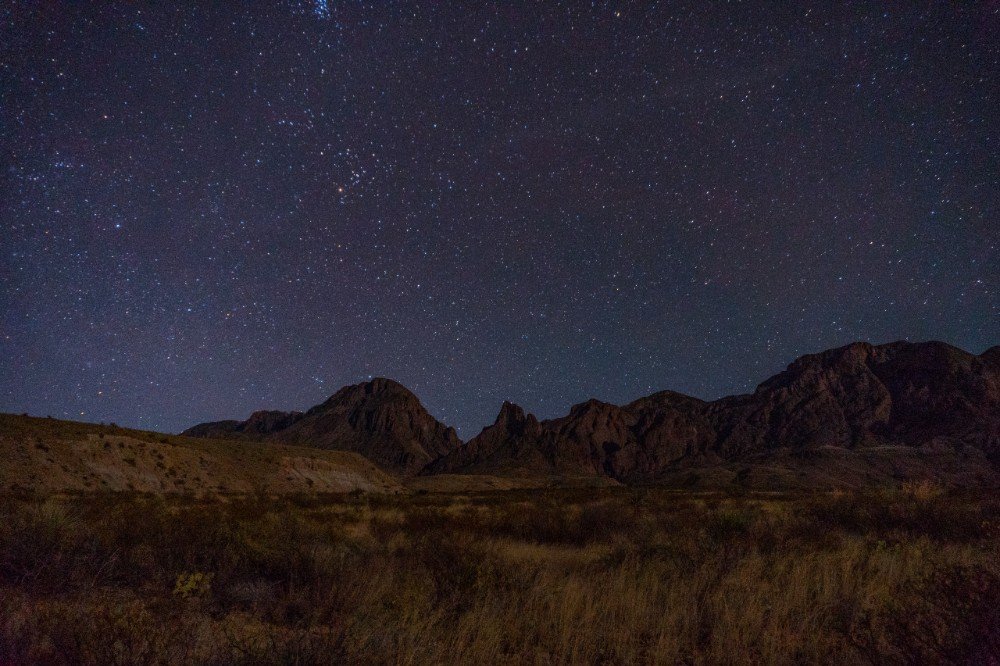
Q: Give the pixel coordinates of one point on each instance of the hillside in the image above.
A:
(52, 456)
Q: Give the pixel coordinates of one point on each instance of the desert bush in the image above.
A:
(949, 616)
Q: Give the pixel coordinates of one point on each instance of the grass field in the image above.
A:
(542, 576)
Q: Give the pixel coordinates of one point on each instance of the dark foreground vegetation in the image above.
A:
(589, 576)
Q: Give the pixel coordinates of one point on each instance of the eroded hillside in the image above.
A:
(51, 456)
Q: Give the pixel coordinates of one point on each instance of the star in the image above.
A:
(216, 210)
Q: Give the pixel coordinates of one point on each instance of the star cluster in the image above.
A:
(209, 208)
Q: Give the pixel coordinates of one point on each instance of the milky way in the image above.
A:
(210, 208)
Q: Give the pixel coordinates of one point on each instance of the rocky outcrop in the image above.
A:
(380, 419)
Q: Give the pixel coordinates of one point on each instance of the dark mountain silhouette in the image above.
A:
(380, 419)
(891, 410)
(260, 423)
(931, 398)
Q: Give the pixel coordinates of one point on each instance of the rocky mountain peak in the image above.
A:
(380, 418)
(509, 413)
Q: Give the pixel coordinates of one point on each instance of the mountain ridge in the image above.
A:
(921, 395)
(928, 396)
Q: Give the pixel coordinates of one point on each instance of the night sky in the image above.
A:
(209, 208)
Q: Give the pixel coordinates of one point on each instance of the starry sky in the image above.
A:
(210, 208)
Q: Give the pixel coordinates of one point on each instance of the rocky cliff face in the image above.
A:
(912, 394)
(928, 396)
(380, 419)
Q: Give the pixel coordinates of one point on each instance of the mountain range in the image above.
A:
(854, 414)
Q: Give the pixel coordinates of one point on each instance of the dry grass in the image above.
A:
(541, 576)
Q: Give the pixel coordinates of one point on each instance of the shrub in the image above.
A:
(194, 584)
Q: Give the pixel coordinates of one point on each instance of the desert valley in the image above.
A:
(844, 511)
(547, 333)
